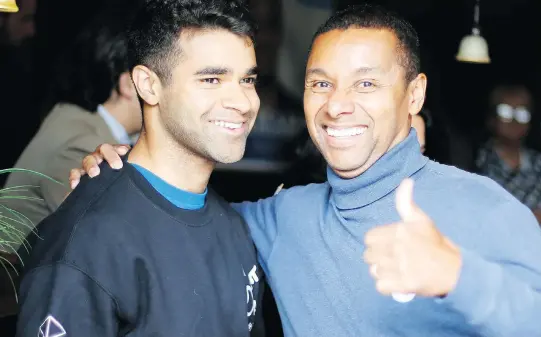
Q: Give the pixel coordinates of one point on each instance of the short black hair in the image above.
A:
(90, 68)
(376, 17)
(154, 33)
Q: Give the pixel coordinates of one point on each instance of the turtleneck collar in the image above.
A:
(381, 178)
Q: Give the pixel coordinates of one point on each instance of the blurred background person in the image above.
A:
(94, 100)
(505, 157)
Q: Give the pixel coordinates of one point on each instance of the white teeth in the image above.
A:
(228, 125)
(345, 132)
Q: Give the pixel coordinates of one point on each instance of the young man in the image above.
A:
(149, 250)
(462, 263)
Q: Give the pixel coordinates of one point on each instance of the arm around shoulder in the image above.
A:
(261, 218)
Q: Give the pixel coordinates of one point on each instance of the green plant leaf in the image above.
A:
(3, 262)
(11, 219)
(22, 170)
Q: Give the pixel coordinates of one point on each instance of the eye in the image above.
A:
(212, 80)
(365, 86)
(249, 80)
(321, 85)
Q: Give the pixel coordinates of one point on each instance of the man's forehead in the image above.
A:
(355, 49)
(216, 48)
(196, 37)
(515, 96)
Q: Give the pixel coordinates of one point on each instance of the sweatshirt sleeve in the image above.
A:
(59, 300)
(260, 217)
(500, 295)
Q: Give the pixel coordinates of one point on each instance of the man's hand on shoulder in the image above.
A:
(90, 165)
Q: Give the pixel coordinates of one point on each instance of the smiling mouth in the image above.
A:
(229, 125)
(345, 132)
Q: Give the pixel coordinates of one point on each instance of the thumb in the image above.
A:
(406, 207)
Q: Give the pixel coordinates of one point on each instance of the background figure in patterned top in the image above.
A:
(504, 157)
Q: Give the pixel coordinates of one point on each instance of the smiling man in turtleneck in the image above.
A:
(364, 255)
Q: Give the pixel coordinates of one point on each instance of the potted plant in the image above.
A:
(11, 237)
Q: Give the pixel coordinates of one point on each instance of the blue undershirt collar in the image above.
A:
(179, 198)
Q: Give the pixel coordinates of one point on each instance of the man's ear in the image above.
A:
(147, 84)
(417, 93)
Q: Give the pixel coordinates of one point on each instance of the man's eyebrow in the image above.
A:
(252, 71)
(224, 71)
(367, 70)
(316, 71)
(213, 71)
(361, 70)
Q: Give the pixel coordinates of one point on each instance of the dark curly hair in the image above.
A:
(154, 33)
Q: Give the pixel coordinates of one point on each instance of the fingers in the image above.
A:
(405, 205)
(381, 235)
(376, 255)
(389, 286)
(91, 165)
(389, 280)
(387, 277)
(404, 200)
(122, 149)
(75, 177)
(110, 154)
(387, 266)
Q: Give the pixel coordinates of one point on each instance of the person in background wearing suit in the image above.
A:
(94, 101)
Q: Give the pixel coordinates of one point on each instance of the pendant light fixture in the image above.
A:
(474, 48)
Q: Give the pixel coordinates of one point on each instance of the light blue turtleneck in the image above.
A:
(310, 242)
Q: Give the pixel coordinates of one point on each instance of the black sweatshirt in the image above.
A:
(118, 259)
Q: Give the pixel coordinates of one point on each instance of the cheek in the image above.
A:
(313, 103)
(198, 101)
(255, 102)
(378, 107)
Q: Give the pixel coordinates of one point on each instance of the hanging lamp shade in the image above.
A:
(9, 6)
(473, 48)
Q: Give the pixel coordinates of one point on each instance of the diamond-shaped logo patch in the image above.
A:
(51, 328)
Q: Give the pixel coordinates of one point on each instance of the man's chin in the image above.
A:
(346, 168)
(228, 158)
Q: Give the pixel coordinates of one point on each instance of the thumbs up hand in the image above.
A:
(411, 256)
